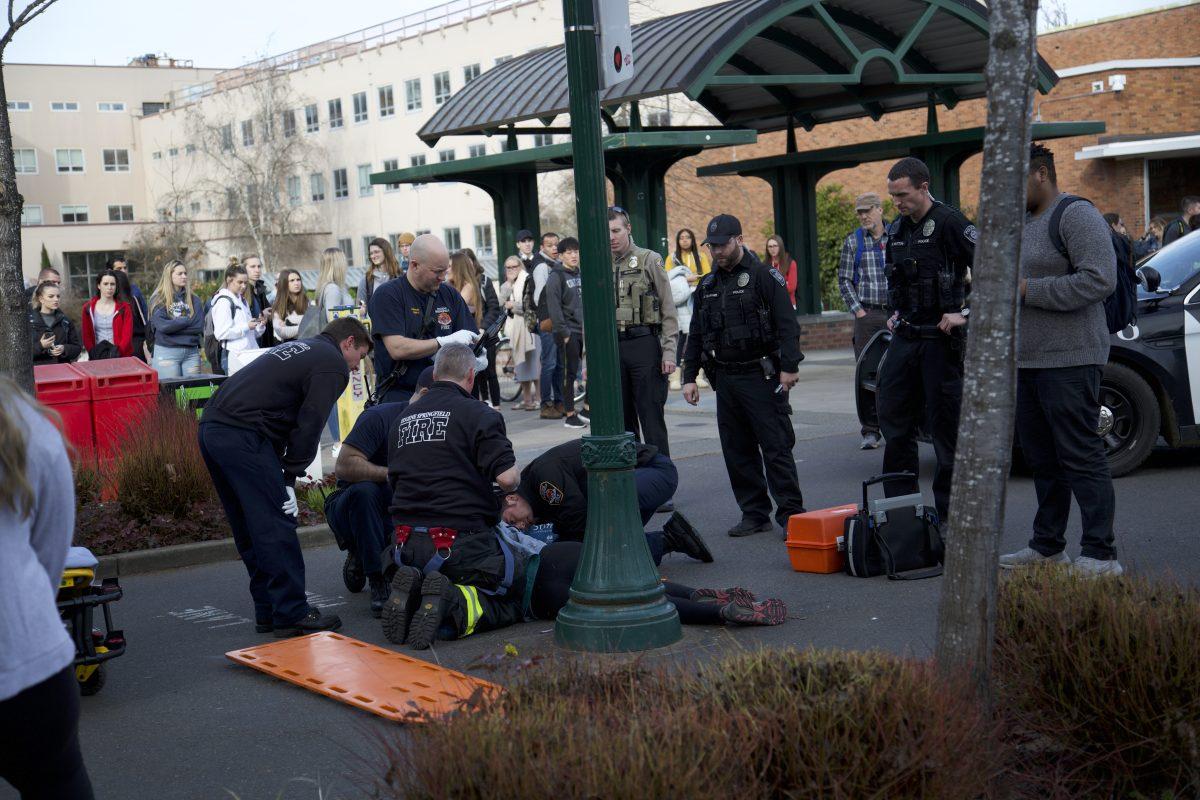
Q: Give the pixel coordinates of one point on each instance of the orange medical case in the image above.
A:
(814, 539)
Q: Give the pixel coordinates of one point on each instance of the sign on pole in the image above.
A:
(615, 49)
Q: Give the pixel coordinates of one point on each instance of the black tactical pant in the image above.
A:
(471, 611)
(644, 390)
(920, 387)
(755, 426)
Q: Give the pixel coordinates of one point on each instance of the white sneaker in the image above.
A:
(334, 449)
(1028, 557)
(1086, 567)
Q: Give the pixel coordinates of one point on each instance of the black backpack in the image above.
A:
(1120, 307)
(895, 536)
(213, 346)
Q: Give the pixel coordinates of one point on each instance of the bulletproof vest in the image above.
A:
(732, 317)
(638, 302)
(923, 279)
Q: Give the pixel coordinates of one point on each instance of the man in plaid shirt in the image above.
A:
(863, 282)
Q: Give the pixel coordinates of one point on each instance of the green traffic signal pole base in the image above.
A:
(617, 601)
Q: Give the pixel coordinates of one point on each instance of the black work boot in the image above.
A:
(312, 622)
(679, 536)
(436, 593)
(749, 527)
(380, 590)
(397, 611)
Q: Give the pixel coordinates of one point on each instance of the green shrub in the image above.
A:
(1102, 679)
(160, 471)
(87, 485)
(770, 724)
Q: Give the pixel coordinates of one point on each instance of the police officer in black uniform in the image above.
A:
(928, 262)
(414, 315)
(258, 434)
(744, 331)
(445, 452)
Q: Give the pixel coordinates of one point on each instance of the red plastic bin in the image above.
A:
(69, 392)
(123, 391)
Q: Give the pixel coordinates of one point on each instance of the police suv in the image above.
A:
(1151, 384)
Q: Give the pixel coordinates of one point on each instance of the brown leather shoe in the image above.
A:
(550, 412)
(560, 408)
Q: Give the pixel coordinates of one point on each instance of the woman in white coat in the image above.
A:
(234, 325)
(525, 345)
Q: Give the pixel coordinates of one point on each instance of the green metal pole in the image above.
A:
(617, 602)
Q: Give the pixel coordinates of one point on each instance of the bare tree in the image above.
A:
(1053, 14)
(16, 359)
(253, 142)
(967, 613)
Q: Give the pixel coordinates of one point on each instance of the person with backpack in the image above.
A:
(234, 328)
(176, 323)
(1068, 273)
(1182, 225)
(862, 281)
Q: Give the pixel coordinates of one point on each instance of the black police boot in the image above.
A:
(312, 622)
(400, 605)
(679, 536)
(352, 574)
(436, 593)
(749, 527)
(379, 594)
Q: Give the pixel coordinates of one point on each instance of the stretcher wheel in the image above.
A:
(94, 682)
(353, 575)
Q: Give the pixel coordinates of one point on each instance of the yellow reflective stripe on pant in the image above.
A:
(474, 608)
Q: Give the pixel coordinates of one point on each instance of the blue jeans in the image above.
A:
(359, 513)
(176, 362)
(552, 373)
(656, 484)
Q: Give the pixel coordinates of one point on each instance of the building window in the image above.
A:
(293, 190)
(390, 165)
(365, 189)
(394, 241)
(483, 240)
(341, 186)
(316, 184)
(31, 215)
(501, 59)
(477, 150)
(387, 103)
(312, 122)
(64, 105)
(360, 106)
(73, 215)
(453, 238)
(658, 119)
(441, 87)
(445, 155)
(412, 94)
(120, 213)
(156, 155)
(289, 124)
(68, 160)
(25, 160)
(110, 106)
(416, 161)
(172, 152)
(543, 139)
(189, 149)
(20, 105)
(348, 249)
(247, 133)
(335, 113)
(470, 73)
(226, 137)
(505, 147)
(421, 231)
(194, 208)
(366, 243)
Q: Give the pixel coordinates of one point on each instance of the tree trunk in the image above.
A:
(967, 614)
(16, 360)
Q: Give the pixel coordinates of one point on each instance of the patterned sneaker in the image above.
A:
(769, 612)
(1028, 557)
(721, 597)
(1086, 567)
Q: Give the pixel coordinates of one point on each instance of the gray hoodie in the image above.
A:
(1062, 316)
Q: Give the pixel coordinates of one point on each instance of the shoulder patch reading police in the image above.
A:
(778, 276)
(972, 234)
(928, 229)
(550, 493)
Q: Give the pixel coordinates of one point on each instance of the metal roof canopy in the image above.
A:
(762, 64)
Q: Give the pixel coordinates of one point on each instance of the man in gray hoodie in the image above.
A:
(1061, 354)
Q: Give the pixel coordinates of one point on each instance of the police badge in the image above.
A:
(742, 279)
(928, 229)
(632, 262)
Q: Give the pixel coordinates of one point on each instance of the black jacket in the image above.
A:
(65, 333)
(491, 302)
(258, 304)
(285, 395)
(555, 486)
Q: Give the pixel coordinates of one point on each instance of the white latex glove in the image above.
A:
(290, 506)
(458, 337)
(481, 363)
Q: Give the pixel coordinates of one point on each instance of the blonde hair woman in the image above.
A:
(332, 293)
(464, 278)
(177, 323)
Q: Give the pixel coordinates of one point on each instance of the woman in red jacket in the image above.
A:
(105, 319)
(777, 257)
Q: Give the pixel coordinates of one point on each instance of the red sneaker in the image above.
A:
(769, 612)
(734, 594)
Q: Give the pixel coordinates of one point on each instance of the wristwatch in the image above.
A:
(966, 312)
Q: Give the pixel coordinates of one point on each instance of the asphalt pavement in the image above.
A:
(178, 720)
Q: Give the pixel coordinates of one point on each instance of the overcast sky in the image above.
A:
(227, 33)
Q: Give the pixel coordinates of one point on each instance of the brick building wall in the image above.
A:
(1155, 101)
